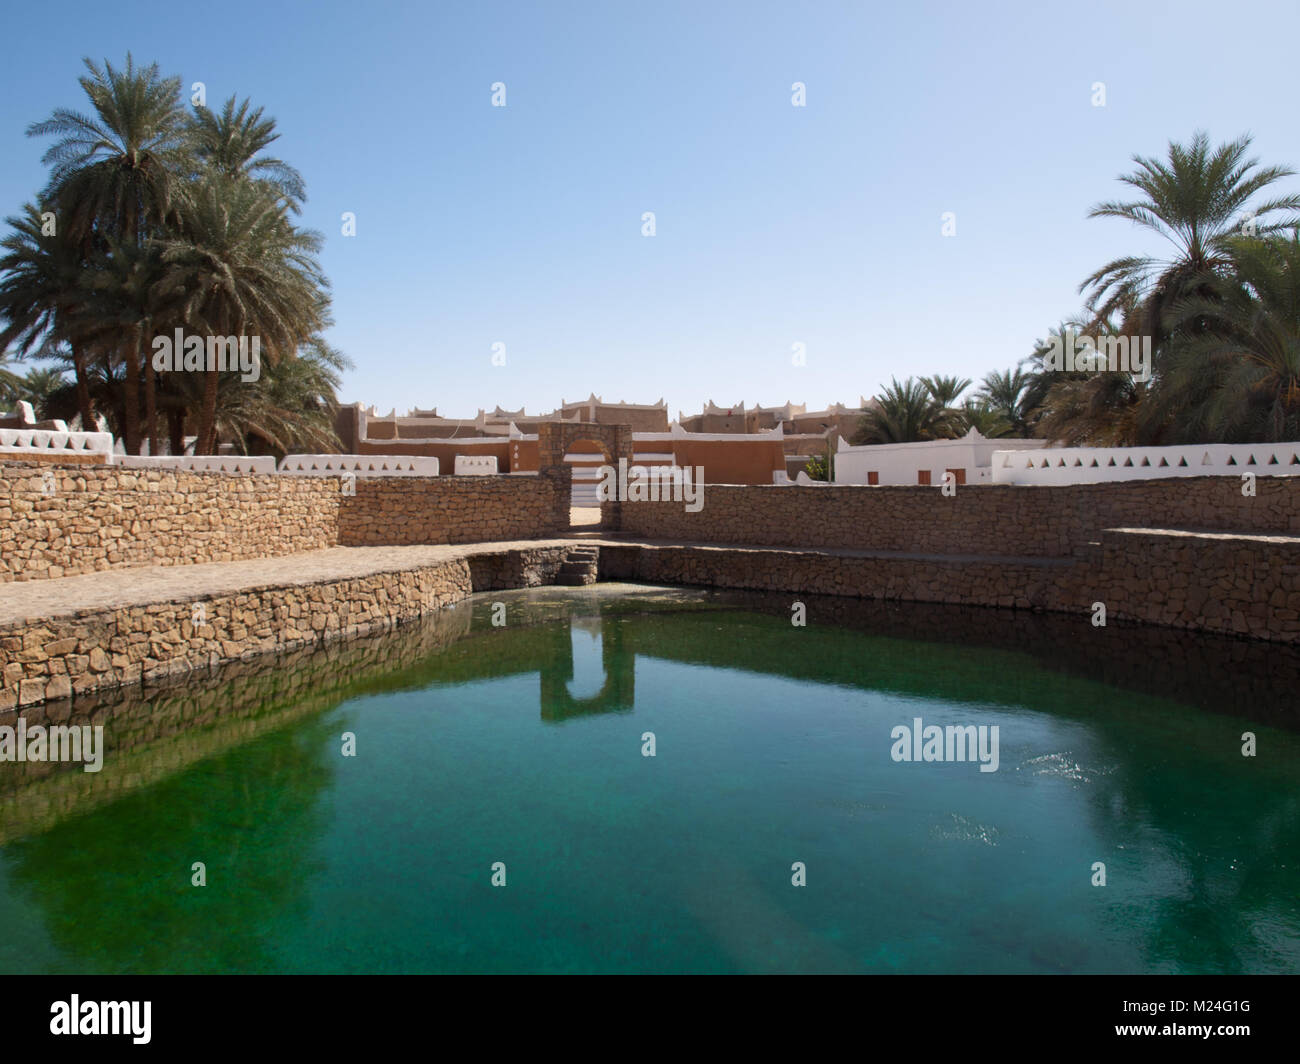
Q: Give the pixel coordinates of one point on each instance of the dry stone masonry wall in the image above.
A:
(64, 521)
(64, 657)
(984, 519)
(396, 511)
(60, 522)
(1190, 553)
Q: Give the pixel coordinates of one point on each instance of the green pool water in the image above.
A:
(523, 744)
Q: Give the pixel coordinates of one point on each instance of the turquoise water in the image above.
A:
(523, 745)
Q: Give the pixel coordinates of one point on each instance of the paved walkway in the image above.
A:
(111, 588)
(34, 600)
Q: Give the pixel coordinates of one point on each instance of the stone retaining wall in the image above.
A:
(83, 520)
(987, 582)
(983, 519)
(1238, 585)
(65, 521)
(468, 509)
(69, 656)
(1232, 585)
(80, 520)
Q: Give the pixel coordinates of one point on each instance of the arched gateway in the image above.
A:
(554, 438)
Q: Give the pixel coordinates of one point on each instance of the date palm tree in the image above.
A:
(116, 176)
(117, 170)
(242, 270)
(902, 413)
(1197, 200)
(122, 312)
(983, 417)
(154, 220)
(1012, 395)
(945, 390)
(42, 296)
(291, 406)
(1089, 406)
(38, 386)
(11, 383)
(1243, 367)
(232, 143)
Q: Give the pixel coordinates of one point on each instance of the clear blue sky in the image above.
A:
(775, 225)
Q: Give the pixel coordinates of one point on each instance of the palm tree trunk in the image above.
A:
(111, 402)
(83, 392)
(150, 405)
(206, 443)
(131, 400)
(176, 431)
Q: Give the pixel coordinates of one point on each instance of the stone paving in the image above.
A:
(110, 588)
(33, 600)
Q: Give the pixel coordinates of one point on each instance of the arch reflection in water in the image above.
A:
(599, 639)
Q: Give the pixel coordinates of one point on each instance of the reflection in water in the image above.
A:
(610, 660)
(152, 734)
(777, 746)
(133, 871)
(588, 665)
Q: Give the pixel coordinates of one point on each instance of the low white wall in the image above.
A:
(363, 465)
(1096, 465)
(900, 463)
(17, 442)
(476, 465)
(202, 463)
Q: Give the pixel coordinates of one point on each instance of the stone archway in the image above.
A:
(553, 441)
(587, 459)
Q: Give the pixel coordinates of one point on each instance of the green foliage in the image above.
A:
(945, 390)
(1220, 309)
(155, 219)
(1240, 365)
(818, 467)
(903, 413)
(983, 417)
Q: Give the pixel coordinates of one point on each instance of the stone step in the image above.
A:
(580, 567)
(575, 579)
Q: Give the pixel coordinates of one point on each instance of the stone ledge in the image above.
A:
(64, 637)
(618, 540)
(83, 649)
(1207, 536)
(89, 593)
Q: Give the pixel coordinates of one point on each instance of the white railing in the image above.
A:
(46, 442)
(475, 465)
(362, 465)
(201, 463)
(1096, 465)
